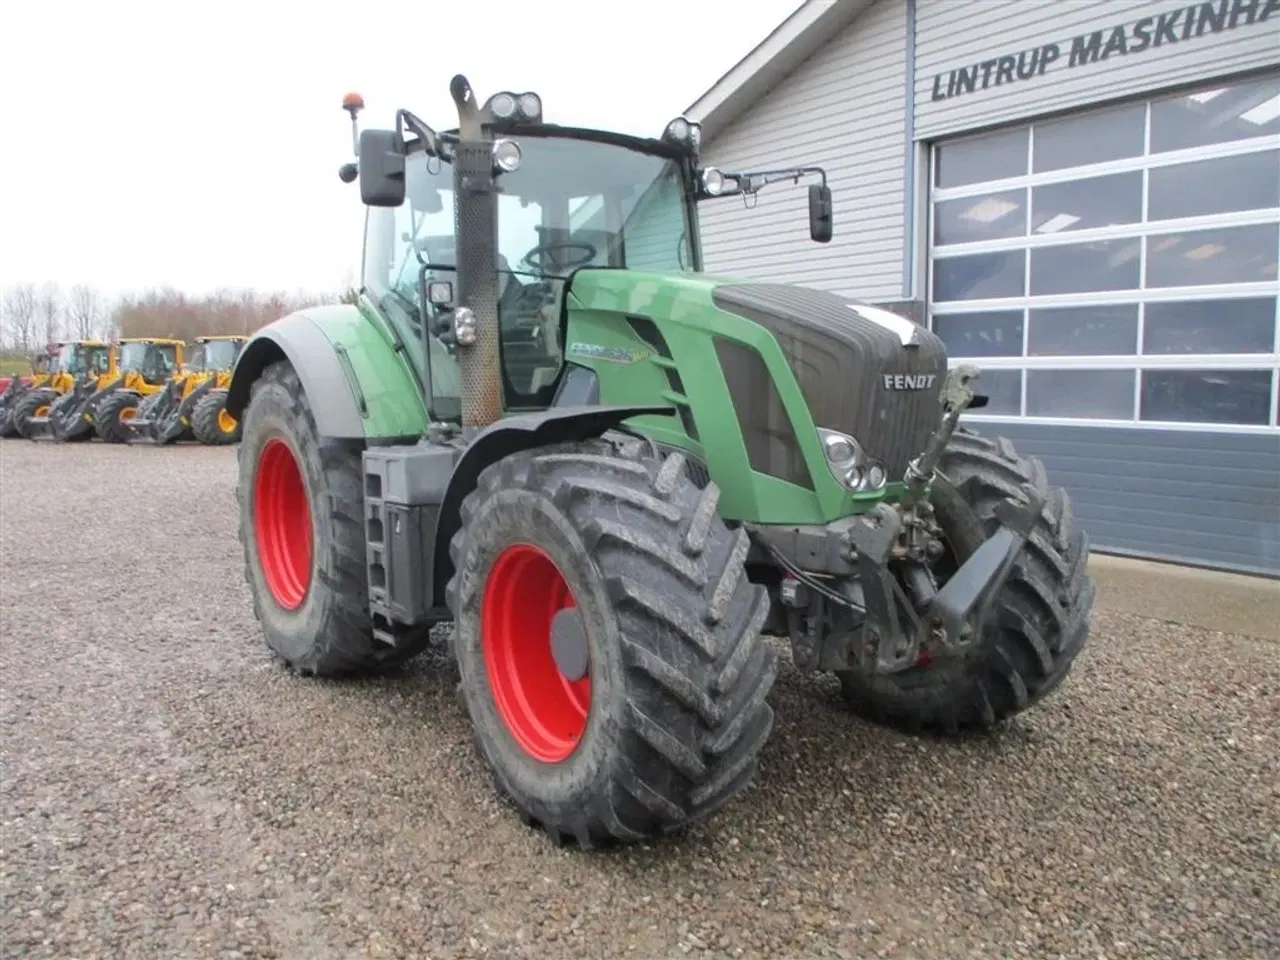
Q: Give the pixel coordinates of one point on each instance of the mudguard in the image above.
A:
(358, 385)
(296, 338)
(521, 432)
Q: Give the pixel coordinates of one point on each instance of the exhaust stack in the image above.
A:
(480, 363)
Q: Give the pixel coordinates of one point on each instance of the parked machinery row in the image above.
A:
(134, 390)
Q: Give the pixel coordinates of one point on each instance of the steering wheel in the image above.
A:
(533, 258)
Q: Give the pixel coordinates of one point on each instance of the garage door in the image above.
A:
(1115, 275)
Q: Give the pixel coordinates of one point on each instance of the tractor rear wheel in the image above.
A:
(302, 530)
(210, 422)
(113, 416)
(1041, 617)
(608, 641)
(34, 404)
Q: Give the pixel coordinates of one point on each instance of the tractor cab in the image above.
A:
(218, 353)
(563, 200)
(151, 360)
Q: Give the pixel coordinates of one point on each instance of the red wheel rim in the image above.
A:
(282, 525)
(545, 712)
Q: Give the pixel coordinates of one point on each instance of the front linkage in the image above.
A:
(867, 621)
(166, 416)
(70, 416)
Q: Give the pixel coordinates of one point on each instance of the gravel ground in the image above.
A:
(169, 792)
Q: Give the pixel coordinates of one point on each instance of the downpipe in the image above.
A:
(944, 622)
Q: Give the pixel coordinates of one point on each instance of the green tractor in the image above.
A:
(615, 474)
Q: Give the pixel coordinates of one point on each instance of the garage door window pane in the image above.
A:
(994, 334)
(1087, 204)
(992, 157)
(1207, 396)
(1226, 255)
(1086, 267)
(973, 219)
(982, 276)
(1225, 185)
(1220, 114)
(1094, 138)
(1210, 326)
(1004, 390)
(1088, 394)
(1084, 331)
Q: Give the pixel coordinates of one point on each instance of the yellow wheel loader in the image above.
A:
(210, 422)
(149, 366)
(17, 387)
(78, 370)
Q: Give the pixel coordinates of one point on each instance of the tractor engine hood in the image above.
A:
(864, 371)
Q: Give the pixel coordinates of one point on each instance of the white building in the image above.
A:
(1082, 197)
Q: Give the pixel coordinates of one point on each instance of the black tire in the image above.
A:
(1043, 611)
(679, 671)
(205, 420)
(7, 429)
(26, 408)
(108, 423)
(330, 631)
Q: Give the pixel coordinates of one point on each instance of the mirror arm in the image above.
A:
(766, 177)
(431, 142)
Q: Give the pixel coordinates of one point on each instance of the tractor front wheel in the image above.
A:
(1040, 619)
(210, 422)
(302, 531)
(608, 641)
(112, 422)
(34, 404)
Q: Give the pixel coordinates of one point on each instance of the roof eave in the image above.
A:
(789, 45)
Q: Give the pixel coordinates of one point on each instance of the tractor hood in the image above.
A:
(862, 370)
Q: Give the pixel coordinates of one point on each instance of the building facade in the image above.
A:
(1080, 196)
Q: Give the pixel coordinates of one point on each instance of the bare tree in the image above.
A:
(20, 315)
(84, 312)
(49, 311)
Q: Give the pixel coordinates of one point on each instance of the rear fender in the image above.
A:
(357, 385)
(522, 432)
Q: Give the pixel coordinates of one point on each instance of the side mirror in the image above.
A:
(381, 168)
(820, 213)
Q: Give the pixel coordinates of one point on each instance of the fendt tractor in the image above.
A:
(79, 366)
(167, 413)
(142, 366)
(616, 474)
(18, 386)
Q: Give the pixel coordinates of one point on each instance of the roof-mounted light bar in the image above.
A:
(683, 133)
(505, 108)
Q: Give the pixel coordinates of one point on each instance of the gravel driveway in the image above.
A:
(169, 792)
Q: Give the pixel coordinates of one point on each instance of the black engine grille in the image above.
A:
(840, 359)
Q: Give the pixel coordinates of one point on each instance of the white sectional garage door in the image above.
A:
(1118, 266)
(1117, 269)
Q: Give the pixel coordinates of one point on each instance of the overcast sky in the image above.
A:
(197, 146)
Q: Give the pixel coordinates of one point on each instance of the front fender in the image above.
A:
(357, 386)
(522, 432)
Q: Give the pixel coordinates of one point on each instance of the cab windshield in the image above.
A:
(218, 355)
(154, 361)
(571, 203)
(78, 359)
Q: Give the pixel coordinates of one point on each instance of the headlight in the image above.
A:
(502, 105)
(849, 463)
(712, 181)
(506, 155)
(464, 327)
(531, 106)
